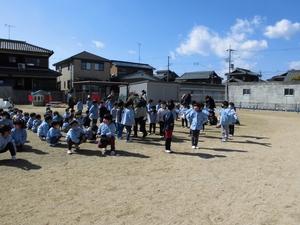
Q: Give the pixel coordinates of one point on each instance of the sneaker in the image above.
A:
(193, 147)
(168, 151)
(224, 140)
(69, 152)
(14, 158)
(196, 147)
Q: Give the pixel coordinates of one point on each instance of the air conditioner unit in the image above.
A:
(21, 66)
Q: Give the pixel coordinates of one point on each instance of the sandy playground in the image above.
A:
(253, 179)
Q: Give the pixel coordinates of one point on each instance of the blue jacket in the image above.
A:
(7, 122)
(36, 123)
(113, 113)
(43, 129)
(197, 119)
(128, 117)
(226, 117)
(187, 114)
(19, 136)
(53, 132)
(57, 118)
(169, 121)
(89, 104)
(94, 112)
(79, 106)
(4, 141)
(66, 115)
(107, 129)
(152, 117)
(74, 134)
(30, 123)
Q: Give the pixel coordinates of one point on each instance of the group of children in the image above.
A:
(114, 118)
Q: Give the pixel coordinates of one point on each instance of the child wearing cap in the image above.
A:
(6, 142)
(75, 136)
(19, 134)
(53, 134)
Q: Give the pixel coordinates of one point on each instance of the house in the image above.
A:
(243, 75)
(200, 77)
(166, 75)
(24, 68)
(134, 77)
(291, 75)
(123, 68)
(83, 66)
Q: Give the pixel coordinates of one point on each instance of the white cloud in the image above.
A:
(204, 41)
(131, 52)
(282, 29)
(98, 44)
(294, 65)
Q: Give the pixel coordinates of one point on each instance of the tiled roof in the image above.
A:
(197, 75)
(132, 64)
(21, 46)
(83, 56)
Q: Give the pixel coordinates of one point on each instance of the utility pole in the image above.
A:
(229, 70)
(9, 26)
(139, 46)
(168, 69)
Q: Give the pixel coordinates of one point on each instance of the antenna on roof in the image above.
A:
(9, 26)
(139, 46)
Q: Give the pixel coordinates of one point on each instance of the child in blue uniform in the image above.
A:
(197, 118)
(53, 134)
(36, 123)
(106, 132)
(226, 118)
(19, 134)
(94, 113)
(6, 142)
(152, 118)
(128, 119)
(44, 127)
(30, 121)
(75, 136)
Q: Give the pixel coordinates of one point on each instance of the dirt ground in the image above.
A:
(253, 179)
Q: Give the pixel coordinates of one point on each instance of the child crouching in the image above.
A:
(75, 136)
(19, 134)
(106, 132)
(6, 142)
(53, 135)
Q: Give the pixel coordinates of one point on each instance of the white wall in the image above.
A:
(265, 95)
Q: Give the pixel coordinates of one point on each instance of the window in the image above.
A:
(99, 66)
(32, 61)
(86, 65)
(12, 59)
(246, 91)
(288, 91)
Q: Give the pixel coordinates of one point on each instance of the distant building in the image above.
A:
(200, 77)
(243, 75)
(291, 75)
(24, 68)
(124, 68)
(83, 66)
(165, 75)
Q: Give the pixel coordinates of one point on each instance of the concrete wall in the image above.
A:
(172, 90)
(65, 77)
(265, 95)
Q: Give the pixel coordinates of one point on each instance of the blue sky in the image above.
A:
(195, 33)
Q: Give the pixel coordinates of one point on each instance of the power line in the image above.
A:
(9, 26)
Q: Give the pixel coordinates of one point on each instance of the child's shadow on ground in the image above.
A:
(20, 163)
(29, 149)
(121, 153)
(201, 155)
